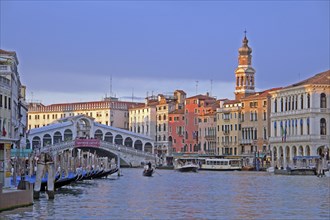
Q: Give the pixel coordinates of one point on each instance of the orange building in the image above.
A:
(176, 122)
(194, 107)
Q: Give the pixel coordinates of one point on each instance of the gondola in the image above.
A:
(148, 172)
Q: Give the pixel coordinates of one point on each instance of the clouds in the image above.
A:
(91, 88)
(73, 47)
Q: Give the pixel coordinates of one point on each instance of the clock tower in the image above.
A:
(244, 72)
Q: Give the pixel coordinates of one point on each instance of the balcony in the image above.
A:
(246, 141)
(301, 138)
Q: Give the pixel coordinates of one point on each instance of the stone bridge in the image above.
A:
(128, 156)
(82, 132)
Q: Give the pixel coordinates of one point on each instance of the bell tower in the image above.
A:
(244, 72)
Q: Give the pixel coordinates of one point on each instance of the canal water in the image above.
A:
(173, 195)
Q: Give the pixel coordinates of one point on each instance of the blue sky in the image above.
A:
(69, 50)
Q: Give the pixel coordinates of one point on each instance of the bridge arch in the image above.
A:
(98, 134)
(119, 139)
(148, 147)
(68, 135)
(138, 145)
(36, 142)
(57, 137)
(46, 140)
(108, 137)
(128, 142)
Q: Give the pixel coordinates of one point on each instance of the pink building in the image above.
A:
(194, 107)
(176, 124)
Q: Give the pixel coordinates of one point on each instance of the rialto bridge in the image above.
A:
(84, 133)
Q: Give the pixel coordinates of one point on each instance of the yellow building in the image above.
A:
(229, 127)
(108, 112)
(255, 123)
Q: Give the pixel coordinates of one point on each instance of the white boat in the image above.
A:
(186, 165)
(327, 173)
(270, 169)
(220, 164)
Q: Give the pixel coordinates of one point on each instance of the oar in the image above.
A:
(157, 172)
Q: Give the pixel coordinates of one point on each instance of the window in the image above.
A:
(281, 104)
(323, 101)
(265, 116)
(9, 103)
(289, 104)
(0, 101)
(301, 102)
(308, 100)
(323, 127)
(308, 128)
(5, 101)
(275, 105)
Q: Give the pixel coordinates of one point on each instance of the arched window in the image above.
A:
(323, 127)
(301, 102)
(281, 104)
(323, 99)
(255, 116)
(289, 104)
(164, 127)
(286, 104)
(159, 127)
(308, 127)
(159, 117)
(275, 105)
(308, 100)
(296, 101)
(164, 117)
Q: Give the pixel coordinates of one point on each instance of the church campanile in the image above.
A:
(244, 72)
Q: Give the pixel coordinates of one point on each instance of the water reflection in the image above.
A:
(174, 195)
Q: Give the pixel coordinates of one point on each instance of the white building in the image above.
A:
(12, 112)
(142, 118)
(110, 112)
(300, 119)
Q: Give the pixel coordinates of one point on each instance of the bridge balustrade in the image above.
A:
(119, 148)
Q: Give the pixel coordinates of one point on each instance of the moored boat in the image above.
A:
(220, 164)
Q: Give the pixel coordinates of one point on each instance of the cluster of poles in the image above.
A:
(49, 171)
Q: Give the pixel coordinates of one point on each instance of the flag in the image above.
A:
(4, 133)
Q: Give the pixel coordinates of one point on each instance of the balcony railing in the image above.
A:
(300, 138)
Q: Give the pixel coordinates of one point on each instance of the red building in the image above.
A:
(194, 107)
(176, 124)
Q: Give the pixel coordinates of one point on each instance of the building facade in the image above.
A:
(12, 113)
(109, 112)
(300, 115)
(143, 118)
(229, 128)
(195, 106)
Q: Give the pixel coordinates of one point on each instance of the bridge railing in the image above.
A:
(120, 148)
(124, 149)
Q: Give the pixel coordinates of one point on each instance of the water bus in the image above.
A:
(220, 164)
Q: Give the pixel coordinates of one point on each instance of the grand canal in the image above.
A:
(173, 195)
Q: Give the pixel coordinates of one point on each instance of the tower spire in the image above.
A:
(244, 72)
